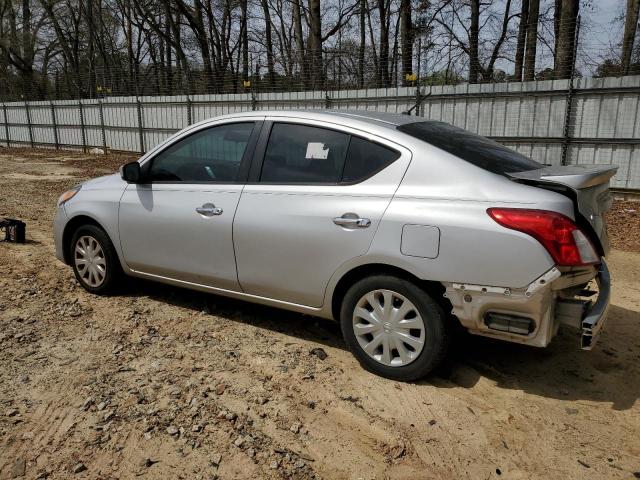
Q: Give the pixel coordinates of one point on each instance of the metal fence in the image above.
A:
(587, 121)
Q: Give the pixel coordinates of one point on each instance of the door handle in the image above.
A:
(209, 210)
(351, 220)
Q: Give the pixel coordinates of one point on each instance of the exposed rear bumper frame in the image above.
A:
(595, 317)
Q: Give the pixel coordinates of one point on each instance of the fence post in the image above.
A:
(104, 135)
(140, 126)
(26, 105)
(55, 126)
(84, 136)
(6, 124)
(189, 116)
(569, 107)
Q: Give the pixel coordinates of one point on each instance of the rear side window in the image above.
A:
(365, 159)
(304, 154)
(475, 149)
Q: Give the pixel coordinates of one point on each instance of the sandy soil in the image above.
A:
(161, 383)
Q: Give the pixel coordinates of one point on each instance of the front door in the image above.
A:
(315, 204)
(178, 224)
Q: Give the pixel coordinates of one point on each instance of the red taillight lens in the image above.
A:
(562, 238)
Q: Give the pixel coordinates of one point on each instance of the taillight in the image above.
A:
(562, 238)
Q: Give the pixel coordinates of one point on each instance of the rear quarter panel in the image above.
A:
(443, 191)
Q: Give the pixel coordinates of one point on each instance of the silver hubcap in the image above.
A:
(90, 261)
(389, 328)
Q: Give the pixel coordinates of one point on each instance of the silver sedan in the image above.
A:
(396, 226)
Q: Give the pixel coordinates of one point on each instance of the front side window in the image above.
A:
(211, 155)
(304, 154)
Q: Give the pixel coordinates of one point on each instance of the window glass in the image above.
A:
(366, 158)
(304, 154)
(480, 151)
(211, 155)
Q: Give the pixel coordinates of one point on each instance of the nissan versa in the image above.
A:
(393, 225)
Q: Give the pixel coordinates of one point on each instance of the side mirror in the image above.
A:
(131, 173)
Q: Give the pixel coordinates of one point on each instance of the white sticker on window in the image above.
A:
(316, 150)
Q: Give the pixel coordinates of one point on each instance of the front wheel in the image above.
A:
(94, 260)
(394, 328)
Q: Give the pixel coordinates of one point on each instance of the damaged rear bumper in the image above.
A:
(590, 317)
(532, 315)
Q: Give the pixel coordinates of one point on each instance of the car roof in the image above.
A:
(379, 119)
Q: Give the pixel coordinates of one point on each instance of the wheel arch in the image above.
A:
(70, 228)
(434, 288)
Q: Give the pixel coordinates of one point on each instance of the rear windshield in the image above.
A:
(480, 151)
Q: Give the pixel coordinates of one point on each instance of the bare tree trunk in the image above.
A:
(557, 13)
(297, 23)
(522, 35)
(374, 52)
(130, 60)
(315, 42)
(532, 41)
(363, 40)
(28, 52)
(630, 26)
(474, 63)
(566, 41)
(245, 39)
(383, 60)
(271, 81)
(406, 39)
(91, 49)
(167, 31)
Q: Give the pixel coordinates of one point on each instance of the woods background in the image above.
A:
(61, 49)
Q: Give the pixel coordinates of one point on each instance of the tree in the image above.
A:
(628, 38)
(532, 40)
(566, 37)
(522, 35)
(406, 38)
(474, 32)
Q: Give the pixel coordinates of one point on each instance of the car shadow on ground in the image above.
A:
(608, 374)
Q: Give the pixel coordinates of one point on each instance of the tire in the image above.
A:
(104, 262)
(421, 312)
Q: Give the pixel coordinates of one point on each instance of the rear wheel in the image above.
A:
(94, 260)
(394, 328)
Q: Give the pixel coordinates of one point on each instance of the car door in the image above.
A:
(314, 202)
(178, 223)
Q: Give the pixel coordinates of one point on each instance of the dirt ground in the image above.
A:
(164, 383)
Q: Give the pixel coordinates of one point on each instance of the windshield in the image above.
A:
(480, 151)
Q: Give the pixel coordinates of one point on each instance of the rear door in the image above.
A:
(179, 223)
(314, 201)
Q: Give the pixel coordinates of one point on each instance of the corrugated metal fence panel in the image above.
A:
(93, 126)
(162, 117)
(40, 113)
(290, 100)
(17, 120)
(121, 123)
(3, 127)
(208, 106)
(527, 116)
(68, 122)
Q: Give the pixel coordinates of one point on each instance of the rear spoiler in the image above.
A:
(574, 176)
